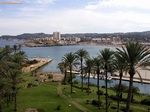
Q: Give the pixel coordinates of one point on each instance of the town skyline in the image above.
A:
(74, 16)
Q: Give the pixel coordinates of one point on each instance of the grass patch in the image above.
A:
(54, 97)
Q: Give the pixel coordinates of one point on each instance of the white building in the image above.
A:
(56, 35)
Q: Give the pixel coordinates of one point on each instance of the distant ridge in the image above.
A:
(145, 35)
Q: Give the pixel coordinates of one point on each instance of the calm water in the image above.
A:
(57, 52)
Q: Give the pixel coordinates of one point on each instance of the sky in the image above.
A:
(74, 16)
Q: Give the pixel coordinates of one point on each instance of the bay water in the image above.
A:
(57, 52)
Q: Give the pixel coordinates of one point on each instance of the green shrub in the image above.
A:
(113, 107)
(114, 97)
(41, 110)
(100, 92)
(146, 102)
(103, 86)
(58, 107)
(50, 76)
(76, 82)
(96, 103)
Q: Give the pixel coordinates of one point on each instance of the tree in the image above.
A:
(63, 66)
(71, 59)
(17, 61)
(82, 54)
(14, 80)
(122, 88)
(120, 65)
(107, 56)
(3, 88)
(97, 64)
(88, 66)
(136, 55)
(15, 48)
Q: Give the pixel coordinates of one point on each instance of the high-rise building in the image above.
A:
(56, 35)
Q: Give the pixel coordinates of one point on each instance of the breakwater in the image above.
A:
(40, 62)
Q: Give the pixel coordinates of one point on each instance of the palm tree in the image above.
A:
(107, 56)
(3, 87)
(135, 90)
(122, 88)
(63, 66)
(19, 47)
(97, 63)
(119, 65)
(15, 67)
(14, 80)
(19, 58)
(82, 54)
(89, 65)
(15, 47)
(7, 49)
(71, 59)
(136, 55)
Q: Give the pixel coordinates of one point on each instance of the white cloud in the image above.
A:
(142, 4)
(41, 19)
(42, 2)
(31, 9)
(73, 21)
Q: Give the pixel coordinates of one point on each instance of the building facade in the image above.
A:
(56, 35)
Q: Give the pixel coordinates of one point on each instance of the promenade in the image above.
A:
(41, 62)
(144, 74)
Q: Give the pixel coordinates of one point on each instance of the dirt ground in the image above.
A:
(43, 76)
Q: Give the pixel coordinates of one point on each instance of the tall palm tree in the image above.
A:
(7, 49)
(123, 88)
(89, 65)
(136, 55)
(14, 80)
(71, 59)
(107, 56)
(120, 65)
(63, 66)
(81, 55)
(15, 48)
(97, 64)
(15, 69)
(3, 86)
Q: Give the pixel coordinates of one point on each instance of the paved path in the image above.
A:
(76, 104)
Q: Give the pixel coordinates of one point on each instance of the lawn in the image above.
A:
(52, 96)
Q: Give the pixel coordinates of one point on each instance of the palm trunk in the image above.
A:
(7, 98)
(81, 76)
(118, 102)
(15, 96)
(106, 89)
(0, 104)
(88, 81)
(65, 77)
(71, 78)
(98, 93)
(129, 94)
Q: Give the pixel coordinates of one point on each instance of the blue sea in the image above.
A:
(57, 52)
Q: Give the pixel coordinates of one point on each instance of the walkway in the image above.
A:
(76, 104)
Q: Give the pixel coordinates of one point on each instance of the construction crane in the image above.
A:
(10, 3)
